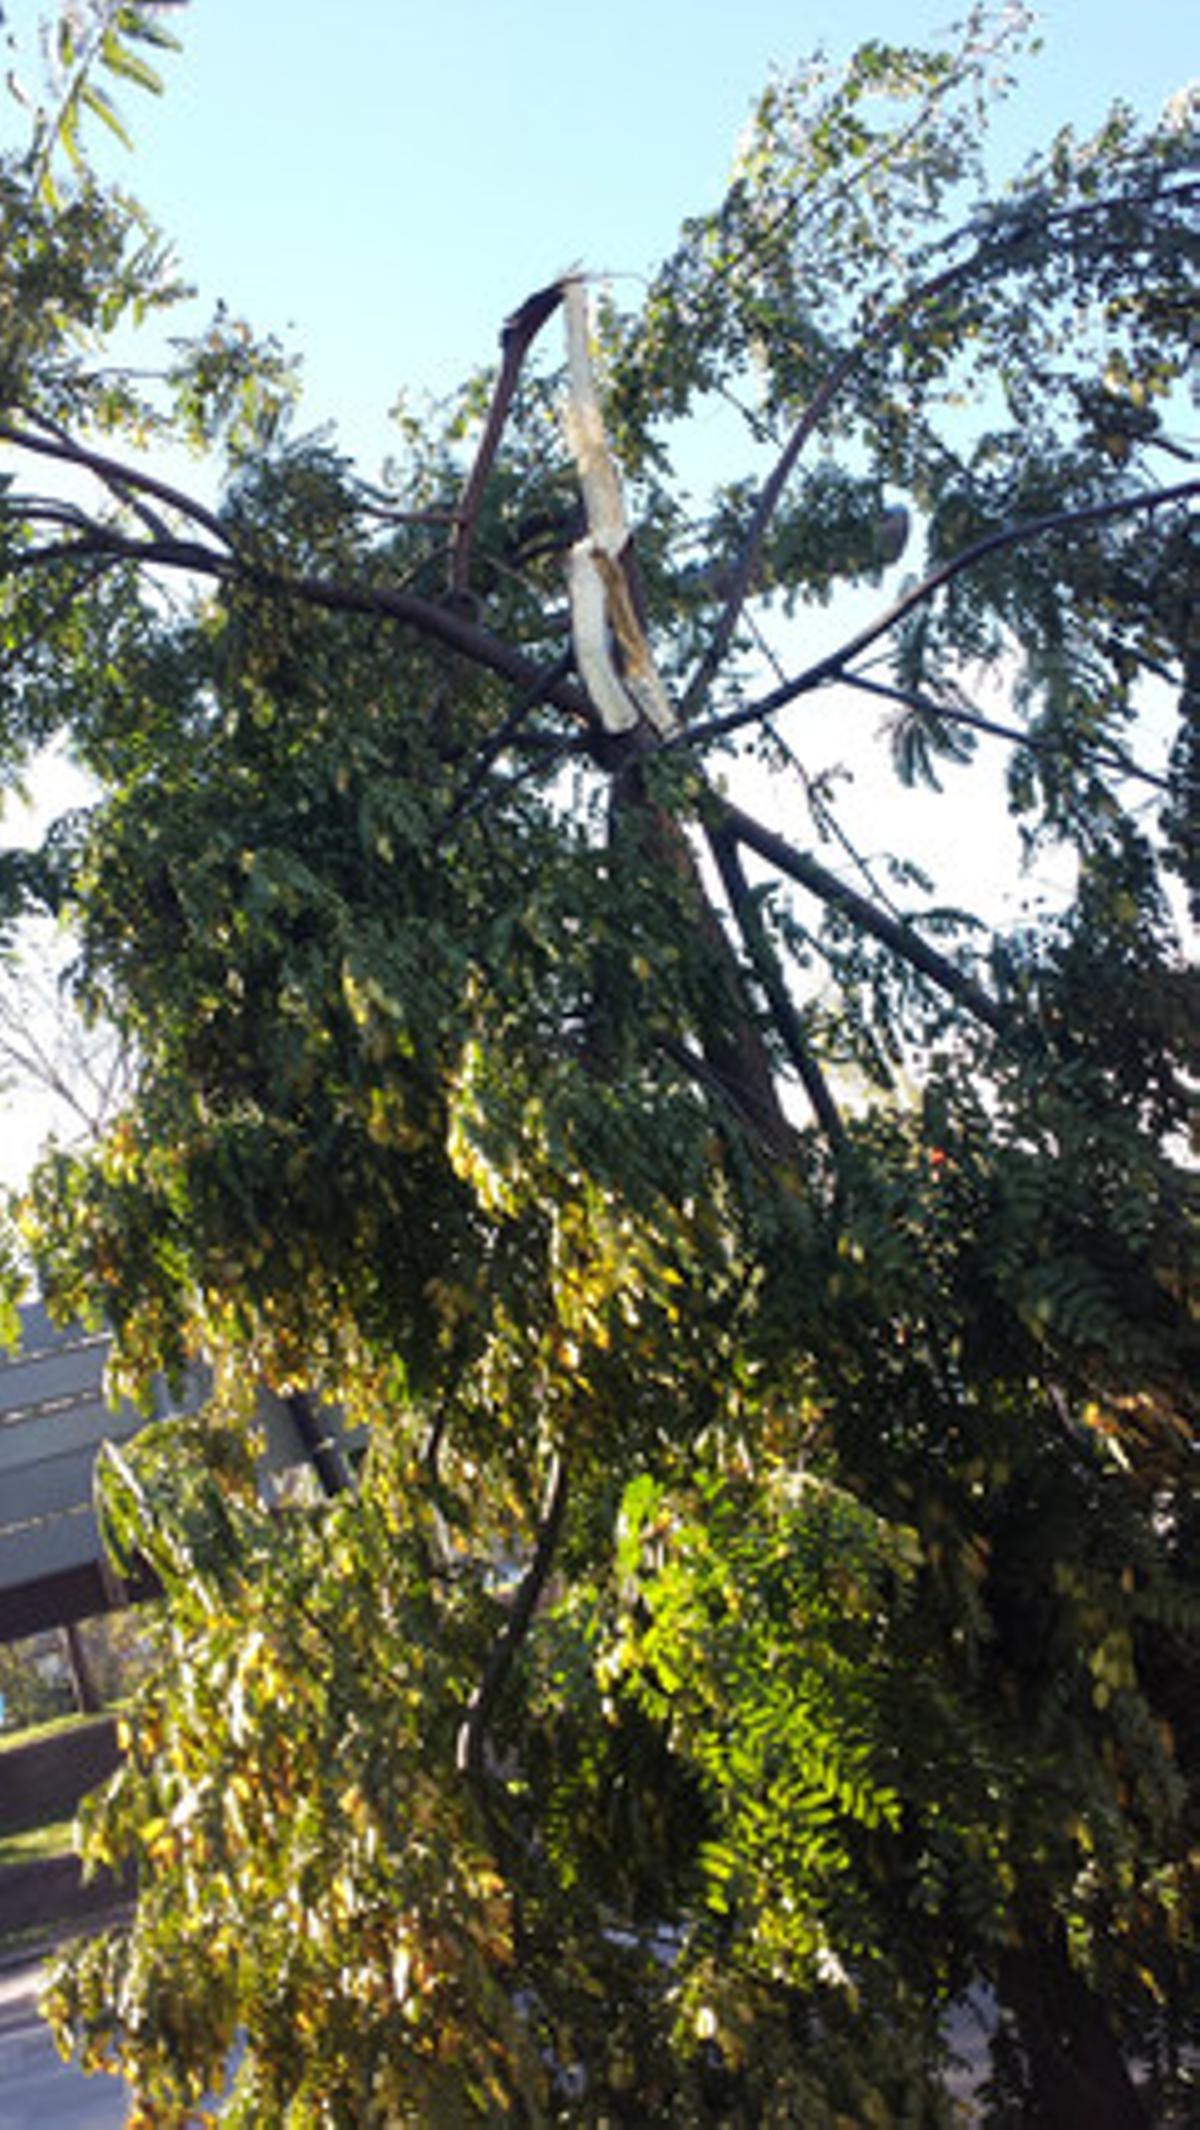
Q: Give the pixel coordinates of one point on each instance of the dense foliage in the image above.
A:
(765, 1616)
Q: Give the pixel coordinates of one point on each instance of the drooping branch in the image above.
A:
(517, 337)
(836, 895)
(766, 967)
(974, 721)
(834, 665)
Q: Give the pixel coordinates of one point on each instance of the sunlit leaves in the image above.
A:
(102, 37)
(750, 1638)
(269, 1828)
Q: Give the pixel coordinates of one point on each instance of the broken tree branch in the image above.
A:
(517, 337)
(612, 651)
(899, 937)
(766, 967)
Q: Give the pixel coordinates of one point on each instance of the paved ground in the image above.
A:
(37, 2092)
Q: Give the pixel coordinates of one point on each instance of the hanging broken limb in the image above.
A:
(837, 895)
(765, 964)
(517, 337)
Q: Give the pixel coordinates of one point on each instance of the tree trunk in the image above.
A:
(1077, 2072)
(83, 1690)
(734, 1053)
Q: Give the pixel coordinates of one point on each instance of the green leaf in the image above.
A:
(119, 60)
(95, 100)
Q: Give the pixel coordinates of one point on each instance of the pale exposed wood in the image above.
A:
(605, 623)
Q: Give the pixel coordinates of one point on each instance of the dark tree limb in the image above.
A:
(426, 617)
(1077, 2070)
(718, 1086)
(734, 1051)
(766, 967)
(834, 665)
(108, 546)
(471, 1750)
(836, 895)
(516, 338)
(751, 549)
(122, 480)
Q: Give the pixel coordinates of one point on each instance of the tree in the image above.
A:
(766, 1612)
(47, 1052)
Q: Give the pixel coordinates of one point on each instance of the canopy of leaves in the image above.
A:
(766, 1611)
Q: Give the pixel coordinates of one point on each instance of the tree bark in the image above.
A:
(1077, 2073)
(734, 1051)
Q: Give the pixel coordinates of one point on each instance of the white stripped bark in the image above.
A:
(611, 651)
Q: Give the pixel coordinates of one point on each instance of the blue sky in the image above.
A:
(381, 182)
